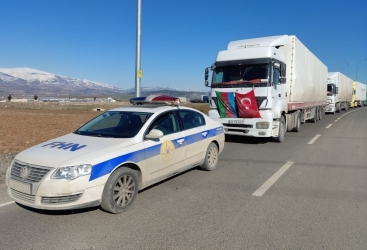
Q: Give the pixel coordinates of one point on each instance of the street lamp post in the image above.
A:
(138, 72)
(357, 67)
(348, 66)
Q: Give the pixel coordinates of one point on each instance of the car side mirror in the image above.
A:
(154, 134)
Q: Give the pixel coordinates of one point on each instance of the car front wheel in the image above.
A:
(120, 191)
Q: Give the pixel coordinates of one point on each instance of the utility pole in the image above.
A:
(138, 71)
(357, 67)
(348, 66)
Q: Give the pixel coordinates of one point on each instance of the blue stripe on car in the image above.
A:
(106, 167)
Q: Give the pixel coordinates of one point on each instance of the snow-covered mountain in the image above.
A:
(32, 81)
(26, 81)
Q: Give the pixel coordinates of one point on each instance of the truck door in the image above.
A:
(278, 88)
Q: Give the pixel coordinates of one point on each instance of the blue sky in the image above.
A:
(96, 40)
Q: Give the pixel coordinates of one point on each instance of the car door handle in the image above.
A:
(180, 141)
(205, 133)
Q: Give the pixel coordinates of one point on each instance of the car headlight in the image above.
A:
(72, 172)
(262, 125)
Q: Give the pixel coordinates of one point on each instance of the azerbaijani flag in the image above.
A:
(247, 105)
(226, 104)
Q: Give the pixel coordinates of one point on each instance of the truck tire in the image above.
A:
(317, 113)
(346, 106)
(321, 110)
(281, 131)
(338, 108)
(314, 119)
(297, 128)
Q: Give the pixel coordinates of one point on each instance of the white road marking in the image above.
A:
(7, 203)
(335, 120)
(272, 179)
(329, 125)
(314, 139)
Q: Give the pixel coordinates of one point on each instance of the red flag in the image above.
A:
(247, 105)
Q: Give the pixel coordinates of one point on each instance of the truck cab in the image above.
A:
(332, 92)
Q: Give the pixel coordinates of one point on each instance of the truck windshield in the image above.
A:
(234, 76)
(331, 90)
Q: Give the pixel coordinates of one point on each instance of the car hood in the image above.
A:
(71, 149)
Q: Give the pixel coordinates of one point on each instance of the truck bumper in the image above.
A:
(330, 108)
(247, 127)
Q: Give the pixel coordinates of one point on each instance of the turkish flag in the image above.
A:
(247, 105)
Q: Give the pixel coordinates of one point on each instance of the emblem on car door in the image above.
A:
(167, 151)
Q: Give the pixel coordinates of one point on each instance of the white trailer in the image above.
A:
(266, 86)
(359, 95)
(339, 92)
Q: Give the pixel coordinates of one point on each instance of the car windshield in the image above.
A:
(115, 124)
(241, 76)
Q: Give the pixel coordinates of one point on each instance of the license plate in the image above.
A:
(236, 121)
(20, 186)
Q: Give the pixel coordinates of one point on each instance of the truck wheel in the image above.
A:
(211, 158)
(321, 109)
(346, 106)
(338, 109)
(297, 128)
(314, 119)
(120, 191)
(281, 131)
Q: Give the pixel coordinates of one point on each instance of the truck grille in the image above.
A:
(61, 199)
(22, 196)
(34, 173)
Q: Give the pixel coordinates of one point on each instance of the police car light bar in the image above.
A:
(156, 99)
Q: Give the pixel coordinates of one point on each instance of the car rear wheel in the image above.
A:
(120, 191)
(211, 157)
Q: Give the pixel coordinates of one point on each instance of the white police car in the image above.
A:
(110, 158)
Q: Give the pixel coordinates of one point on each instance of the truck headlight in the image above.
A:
(72, 172)
(262, 125)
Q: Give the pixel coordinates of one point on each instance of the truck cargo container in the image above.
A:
(359, 95)
(339, 92)
(263, 87)
(199, 99)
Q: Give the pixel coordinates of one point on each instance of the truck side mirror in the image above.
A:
(337, 90)
(206, 77)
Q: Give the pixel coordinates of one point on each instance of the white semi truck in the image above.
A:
(339, 92)
(263, 87)
(359, 95)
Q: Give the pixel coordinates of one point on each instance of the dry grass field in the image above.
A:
(23, 125)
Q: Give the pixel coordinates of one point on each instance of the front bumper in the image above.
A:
(55, 194)
(330, 108)
(59, 201)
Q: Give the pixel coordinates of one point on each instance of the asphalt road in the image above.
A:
(309, 192)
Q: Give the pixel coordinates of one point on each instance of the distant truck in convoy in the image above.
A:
(339, 92)
(199, 99)
(359, 95)
(263, 87)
